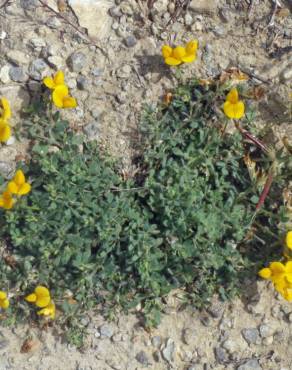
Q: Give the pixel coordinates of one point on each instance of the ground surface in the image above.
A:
(113, 72)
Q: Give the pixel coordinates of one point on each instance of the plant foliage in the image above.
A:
(179, 224)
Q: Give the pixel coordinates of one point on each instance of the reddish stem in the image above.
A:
(265, 191)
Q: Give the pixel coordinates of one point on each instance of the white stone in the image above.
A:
(10, 141)
(3, 35)
(94, 16)
(56, 62)
(204, 6)
(4, 74)
(17, 57)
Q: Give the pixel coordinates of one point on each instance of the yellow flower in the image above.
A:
(57, 80)
(180, 54)
(281, 276)
(49, 310)
(62, 99)
(4, 302)
(233, 107)
(6, 200)
(289, 239)
(5, 109)
(5, 131)
(41, 297)
(18, 185)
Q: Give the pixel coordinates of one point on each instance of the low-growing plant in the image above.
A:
(184, 221)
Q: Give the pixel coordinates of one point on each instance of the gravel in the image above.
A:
(77, 61)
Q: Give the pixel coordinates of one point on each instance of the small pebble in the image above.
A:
(130, 41)
(142, 358)
(77, 61)
(17, 74)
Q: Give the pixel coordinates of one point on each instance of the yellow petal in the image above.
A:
(172, 61)
(189, 58)
(19, 177)
(12, 187)
(5, 132)
(50, 310)
(31, 298)
(232, 96)
(42, 291)
(4, 304)
(235, 111)
(277, 268)
(192, 46)
(6, 109)
(59, 94)
(59, 78)
(166, 51)
(49, 82)
(265, 273)
(289, 239)
(179, 52)
(3, 295)
(69, 102)
(24, 189)
(42, 301)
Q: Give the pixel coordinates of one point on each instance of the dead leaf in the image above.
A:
(233, 74)
(256, 175)
(283, 12)
(29, 345)
(257, 93)
(10, 261)
(62, 5)
(167, 98)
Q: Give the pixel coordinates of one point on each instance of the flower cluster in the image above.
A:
(280, 273)
(4, 302)
(41, 298)
(5, 115)
(60, 91)
(233, 107)
(16, 187)
(180, 54)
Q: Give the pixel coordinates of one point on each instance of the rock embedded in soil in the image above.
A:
(250, 365)
(266, 330)
(130, 41)
(106, 331)
(38, 69)
(156, 341)
(4, 74)
(142, 358)
(204, 6)
(251, 335)
(17, 57)
(77, 61)
(221, 355)
(168, 351)
(17, 74)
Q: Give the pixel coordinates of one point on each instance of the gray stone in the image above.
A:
(37, 43)
(37, 69)
(29, 4)
(221, 355)
(83, 83)
(124, 71)
(118, 337)
(250, 365)
(142, 358)
(54, 23)
(216, 310)
(251, 335)
(17, 57)
(130, 41)
(115, 12)
(97, 72)
(156, 341)
(92, 130)
(219, 31)
(266, 330)
(7, 169)
(77, 61)
(287, 73)
(56, 62)
(188, 19)
(106, 331)
(168, 351)
(72, 83)
(204, 6)
(4, 74)
(225, 15)
(17, 74)
(4, 343)
(188, 336)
